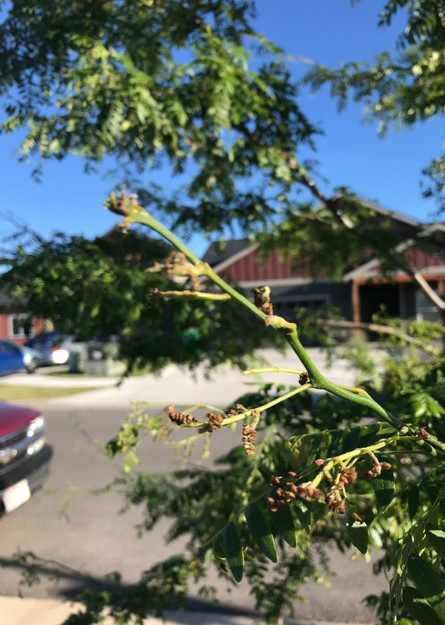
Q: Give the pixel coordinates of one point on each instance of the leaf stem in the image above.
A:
(137, 214)
(274, 370)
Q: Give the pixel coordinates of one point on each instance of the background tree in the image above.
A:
(194, 87)
(101, 287)
(404, 86)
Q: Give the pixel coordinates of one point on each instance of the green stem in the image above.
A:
(143, 217)
(140, 215)
(264, 407)
(274, 370)
(193, 295)
(359, 451)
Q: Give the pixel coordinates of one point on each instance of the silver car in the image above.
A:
(52, 348)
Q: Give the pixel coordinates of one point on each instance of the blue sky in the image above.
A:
(350, 152)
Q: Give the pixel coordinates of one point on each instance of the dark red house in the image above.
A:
(362, 290)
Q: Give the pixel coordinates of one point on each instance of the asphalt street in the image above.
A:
(69, 523)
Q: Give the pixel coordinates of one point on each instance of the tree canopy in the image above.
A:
(101, 287)
(403, 86)
(188, 84)
(192, 85)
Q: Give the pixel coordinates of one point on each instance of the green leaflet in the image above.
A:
(358, 534)
(429, 584)
(260, 531)
(283, 525)
(418, 607)
(303, 514)
(405, 621)
(384, 486)
(304, 450)
(413, 501)
(436, 539)
(218, 547)
(233, 551)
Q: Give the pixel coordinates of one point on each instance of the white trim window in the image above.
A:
(18, 326)
(425, 309)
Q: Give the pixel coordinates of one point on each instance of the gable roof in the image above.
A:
(386, 212)
(222, 254)
(220, 251)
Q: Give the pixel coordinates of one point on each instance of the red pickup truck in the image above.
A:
(24, 455)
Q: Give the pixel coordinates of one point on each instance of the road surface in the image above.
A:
(69, 524)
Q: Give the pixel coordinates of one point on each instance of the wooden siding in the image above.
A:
(420, 258)
(252, 267)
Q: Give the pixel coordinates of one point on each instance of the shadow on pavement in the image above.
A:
(69, 584)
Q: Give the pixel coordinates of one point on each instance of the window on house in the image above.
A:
(425, 309)
(288, 307)
(19, 325)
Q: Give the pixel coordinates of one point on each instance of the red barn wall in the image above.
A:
(420, 258)
(251, 267)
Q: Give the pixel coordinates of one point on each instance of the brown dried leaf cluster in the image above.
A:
(249, 435)
(176, 265)
(334, 498)
(179, 417)
(285, 490)
(377, 468)
(261, 298)
(215, 421)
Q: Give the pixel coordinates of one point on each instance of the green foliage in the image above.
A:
(284, 525)
(384, 485)
(358, 534)
(153, 83)
(401, 87)
(260, 531)
(179, 84)
(430, 586)
(233, 550)
(101, 287)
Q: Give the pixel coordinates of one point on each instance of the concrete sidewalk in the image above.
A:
(177, 385)
(17, 611)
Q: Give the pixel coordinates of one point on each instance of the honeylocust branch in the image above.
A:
(127, 206)
(191, 295)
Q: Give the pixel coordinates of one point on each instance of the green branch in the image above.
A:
(127, 206)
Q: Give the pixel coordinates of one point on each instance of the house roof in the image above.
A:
(220, 251)
(221, 254)
(382, 210)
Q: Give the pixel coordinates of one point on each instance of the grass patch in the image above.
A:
(10, 392)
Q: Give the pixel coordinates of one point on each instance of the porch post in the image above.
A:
(441, 287)
(355, 297)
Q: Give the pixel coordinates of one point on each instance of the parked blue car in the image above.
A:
(15, 358)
